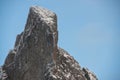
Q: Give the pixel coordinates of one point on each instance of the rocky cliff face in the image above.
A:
(36, 55)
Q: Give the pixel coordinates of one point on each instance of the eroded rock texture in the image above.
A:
(36, 55)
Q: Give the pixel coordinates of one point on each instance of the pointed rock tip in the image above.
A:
(49, 17)
(42, 11)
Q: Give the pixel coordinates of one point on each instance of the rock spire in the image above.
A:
(36, 55)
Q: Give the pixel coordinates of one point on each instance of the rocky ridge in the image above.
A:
(36, 55)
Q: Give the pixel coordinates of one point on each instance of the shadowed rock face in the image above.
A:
(36, 55)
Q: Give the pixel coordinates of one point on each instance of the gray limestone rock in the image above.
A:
(36, 55)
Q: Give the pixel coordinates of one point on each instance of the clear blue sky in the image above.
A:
(88, 29)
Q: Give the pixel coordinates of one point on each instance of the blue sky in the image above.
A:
(88, 29)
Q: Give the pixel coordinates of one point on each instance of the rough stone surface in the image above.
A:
(36, 55)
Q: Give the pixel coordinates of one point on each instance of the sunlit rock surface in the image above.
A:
(36, 55)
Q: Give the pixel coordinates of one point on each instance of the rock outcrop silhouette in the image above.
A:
(36, 55)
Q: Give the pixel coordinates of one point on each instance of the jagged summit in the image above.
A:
(36, 55)
(42, 12)
(45, 15)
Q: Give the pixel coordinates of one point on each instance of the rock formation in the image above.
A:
(36, 55)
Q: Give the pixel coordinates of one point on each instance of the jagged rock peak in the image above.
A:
(42, 12)
(45, 15)
(36, 55)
